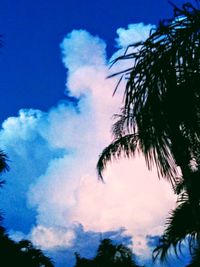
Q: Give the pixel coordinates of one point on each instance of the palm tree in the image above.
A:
(108, 254)
(161, 111)
(161, 117)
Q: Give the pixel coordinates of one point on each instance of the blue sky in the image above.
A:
(56, 109)
(31, 64)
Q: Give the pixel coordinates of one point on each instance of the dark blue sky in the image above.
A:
(31, 71)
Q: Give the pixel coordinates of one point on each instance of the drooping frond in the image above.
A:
(155, 147)
(162, 94)
(124, 146)
(182, 226)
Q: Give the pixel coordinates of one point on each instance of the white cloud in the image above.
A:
(79, 49)
(135, 33)
(131, 197)
(63, 188)
(52, 237)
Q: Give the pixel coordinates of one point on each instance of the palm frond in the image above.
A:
(179, 186)
(155, 147)
(124, 146)
(3, 162)
(195, 261)
(182, 226)
(165, 71)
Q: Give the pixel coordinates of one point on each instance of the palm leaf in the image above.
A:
(195, 261)
(3, 165)
(124, 146)
(3, 162)
(165, 71)
(182, 226)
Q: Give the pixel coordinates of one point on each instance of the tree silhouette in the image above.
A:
(161, 115)
(195, 258)
(110, 255)
(82, 262)
(21, 253)
(3, 165)
(183, 226)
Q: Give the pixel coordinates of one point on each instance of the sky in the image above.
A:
(56, 116)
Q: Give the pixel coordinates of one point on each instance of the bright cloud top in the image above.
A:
(53, 158)
(135, 33)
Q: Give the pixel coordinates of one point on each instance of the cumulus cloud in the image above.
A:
(52, 237)
(80, 49)
(53, 157)
(134, 33)
(132, 197)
